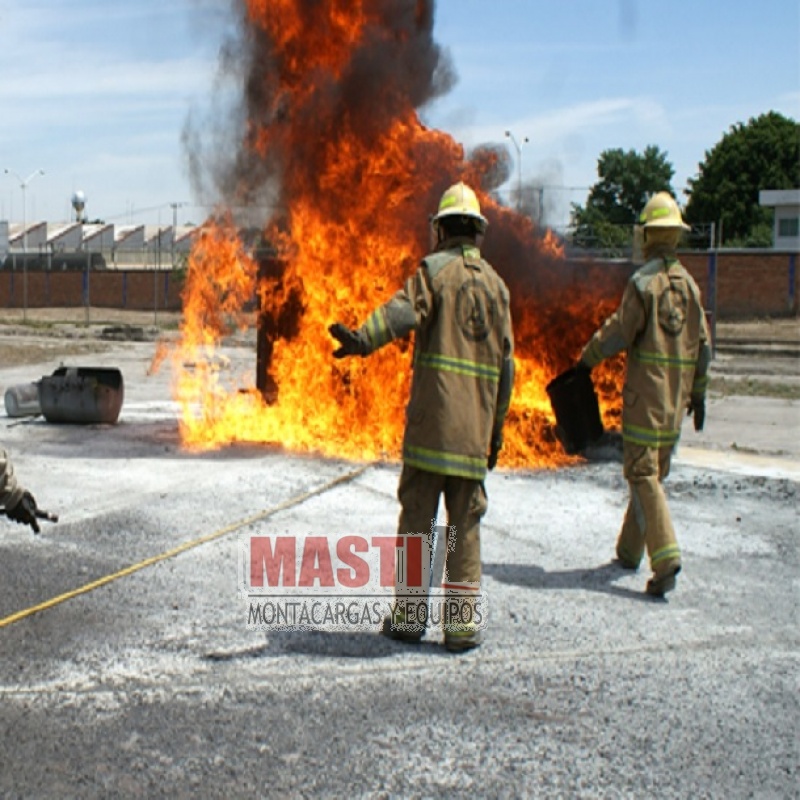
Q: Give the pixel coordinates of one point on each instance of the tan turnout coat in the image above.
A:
(458, 307)
(661, 323)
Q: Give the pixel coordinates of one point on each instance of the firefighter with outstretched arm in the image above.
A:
(457, 306)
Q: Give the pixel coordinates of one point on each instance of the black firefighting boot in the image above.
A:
(396, 627)
(663, 581)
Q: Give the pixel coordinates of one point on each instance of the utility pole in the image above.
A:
(518, 146)
(23, 184)
(540, 210)
(175, 207)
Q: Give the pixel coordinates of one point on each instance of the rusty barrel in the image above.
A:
(85, 395)
(574, 402)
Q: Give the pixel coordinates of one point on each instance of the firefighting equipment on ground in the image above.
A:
(457, 306)
(576, 409)
(661, 325)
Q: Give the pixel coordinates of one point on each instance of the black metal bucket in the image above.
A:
(574, 403)
(87, 395)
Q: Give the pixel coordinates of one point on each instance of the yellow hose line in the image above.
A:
(148, 562)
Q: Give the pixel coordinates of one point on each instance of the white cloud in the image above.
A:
(554, 127)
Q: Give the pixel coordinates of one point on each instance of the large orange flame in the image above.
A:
(357, 188)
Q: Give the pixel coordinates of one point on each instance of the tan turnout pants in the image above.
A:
(465, 501)
(647, 522)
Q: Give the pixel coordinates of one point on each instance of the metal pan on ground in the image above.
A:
(574, 402)
(82, 395)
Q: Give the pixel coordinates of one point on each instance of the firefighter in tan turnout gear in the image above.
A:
(17, 503)
(661, 324)
(458, 308)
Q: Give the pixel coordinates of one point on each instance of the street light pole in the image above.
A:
(23, 184)
(175, 207)
(518, 146)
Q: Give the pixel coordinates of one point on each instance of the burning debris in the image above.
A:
(330, 133)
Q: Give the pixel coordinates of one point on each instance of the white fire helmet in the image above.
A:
(460, 200)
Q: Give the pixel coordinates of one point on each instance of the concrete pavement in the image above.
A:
(152, 685)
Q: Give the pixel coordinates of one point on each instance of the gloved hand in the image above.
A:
(697, 407)
(582, 366)
(351, 343)
(494, 450)
(24, 512)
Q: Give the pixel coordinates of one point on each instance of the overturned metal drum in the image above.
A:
(83, 395)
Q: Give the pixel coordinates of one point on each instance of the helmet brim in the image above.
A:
(667, 223)
(456, 212)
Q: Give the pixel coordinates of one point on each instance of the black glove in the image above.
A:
(351, 343)
(24, 512)
(582, 366)
(494, 450)
(697, 407)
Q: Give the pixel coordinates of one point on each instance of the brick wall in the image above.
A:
(137, 291)
(748, 283)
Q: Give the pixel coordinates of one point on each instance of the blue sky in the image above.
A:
(97, 93)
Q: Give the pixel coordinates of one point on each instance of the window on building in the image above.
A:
(789, 226)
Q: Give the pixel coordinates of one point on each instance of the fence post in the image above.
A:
(711, 300)
(86, 286)
(25, 286)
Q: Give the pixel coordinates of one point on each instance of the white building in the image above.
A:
(786, 229)
(122, 246)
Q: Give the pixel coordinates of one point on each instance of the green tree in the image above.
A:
(627, 179)
(762, 154)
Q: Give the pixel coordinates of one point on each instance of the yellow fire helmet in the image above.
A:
(661, 211)
(460, 200)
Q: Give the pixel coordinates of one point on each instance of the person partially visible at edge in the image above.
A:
(463, 371)
(661, 324)
(17, 502)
